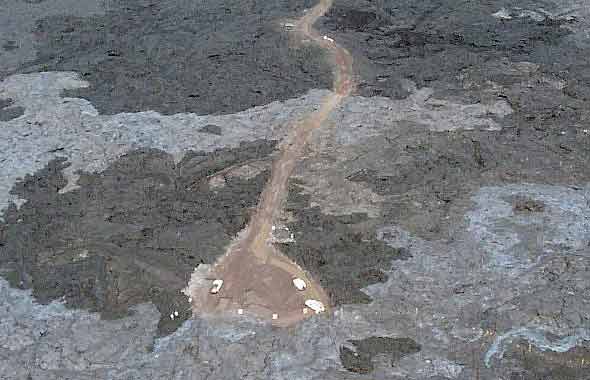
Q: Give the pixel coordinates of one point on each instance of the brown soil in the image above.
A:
(257, 277)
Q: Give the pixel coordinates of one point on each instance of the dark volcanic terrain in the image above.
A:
(177, 56)
(444, 206)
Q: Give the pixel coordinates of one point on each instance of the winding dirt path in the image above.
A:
(257, 278)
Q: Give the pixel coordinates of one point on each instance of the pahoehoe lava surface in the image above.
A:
(129, 235)
(360, 360)
(177, 56)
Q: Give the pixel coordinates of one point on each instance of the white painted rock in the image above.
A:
(299, 284)
(217, 284)
(315, 305)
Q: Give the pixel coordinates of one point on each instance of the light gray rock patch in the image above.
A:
(54, 341)
(421, 108)
(563, 225)
(457, 294)
(537, 337)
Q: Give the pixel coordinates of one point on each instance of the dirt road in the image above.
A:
(257, 277)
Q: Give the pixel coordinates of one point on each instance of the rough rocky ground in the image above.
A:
(130, 234)
(175, 56)
(446, 209)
